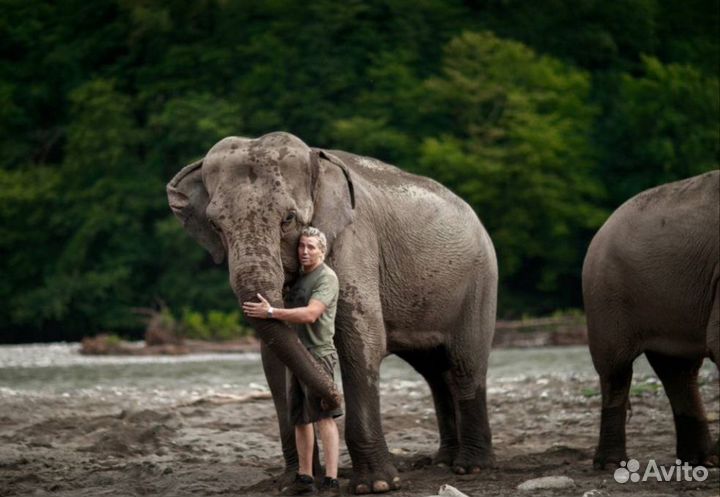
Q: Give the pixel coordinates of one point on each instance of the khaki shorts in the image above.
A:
(303, 406)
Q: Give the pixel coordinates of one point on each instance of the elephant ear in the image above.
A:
(188, 200)
(333, 194)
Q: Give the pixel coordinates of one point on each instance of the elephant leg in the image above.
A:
(615, 388)
(475, 452)
(713, 328)
(373, 468)
(468, 350)
(433, 366)
(613, 350)
(275, 373)
(679, 377)
(361, 342)
(713, 342)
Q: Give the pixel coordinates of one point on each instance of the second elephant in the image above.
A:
(651, 283)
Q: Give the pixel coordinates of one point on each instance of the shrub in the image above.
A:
(216, 325)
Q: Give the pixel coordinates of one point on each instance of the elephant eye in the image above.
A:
(289, 217)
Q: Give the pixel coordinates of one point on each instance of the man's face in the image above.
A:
(309, 252)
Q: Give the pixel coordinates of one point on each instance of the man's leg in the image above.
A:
(305, 441)
(331, 445)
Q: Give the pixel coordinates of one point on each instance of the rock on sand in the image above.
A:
(546, 482)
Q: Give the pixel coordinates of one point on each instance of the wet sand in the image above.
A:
(222, 444)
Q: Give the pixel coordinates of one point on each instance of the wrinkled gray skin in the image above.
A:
(650, 284)
(417, 272)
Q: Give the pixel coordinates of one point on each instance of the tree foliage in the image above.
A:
(544, 116)
(519, 154)
(663, 126)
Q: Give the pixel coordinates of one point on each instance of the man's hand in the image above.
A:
(297, 315)
(257, 310)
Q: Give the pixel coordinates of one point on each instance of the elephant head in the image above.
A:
(249, 199)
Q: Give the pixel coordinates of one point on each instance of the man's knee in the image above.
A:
(327, 424)
(303, 431)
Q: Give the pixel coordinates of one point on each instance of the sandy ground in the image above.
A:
(228, 446)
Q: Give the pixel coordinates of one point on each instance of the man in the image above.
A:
(311, 305)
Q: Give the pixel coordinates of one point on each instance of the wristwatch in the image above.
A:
(269, 313)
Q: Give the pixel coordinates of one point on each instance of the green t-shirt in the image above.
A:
(320, 284)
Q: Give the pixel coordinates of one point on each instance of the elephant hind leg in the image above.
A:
(465, 437)
(468, 352)
(679, 377)
(476, 452)
(433, 366)
(713, 329)
(713, 343)
(615, 388)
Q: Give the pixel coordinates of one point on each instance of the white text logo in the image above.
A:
(630, 471)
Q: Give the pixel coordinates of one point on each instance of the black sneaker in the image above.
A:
(303, 485)
(330, 486)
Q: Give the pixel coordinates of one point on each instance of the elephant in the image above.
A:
(650, 285)
(417, 273)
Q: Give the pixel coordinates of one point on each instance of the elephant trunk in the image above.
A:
(282, 339)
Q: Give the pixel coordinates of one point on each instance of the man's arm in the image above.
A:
(297, 315)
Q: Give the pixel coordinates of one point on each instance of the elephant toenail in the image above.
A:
(380, 486)
(459, 470)
(475, 470)
(396, 483)
(362, 489)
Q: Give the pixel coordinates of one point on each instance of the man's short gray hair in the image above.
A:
(316, 233)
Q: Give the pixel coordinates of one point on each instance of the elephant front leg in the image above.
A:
(373, 469)
(361, 341)
(275, 375)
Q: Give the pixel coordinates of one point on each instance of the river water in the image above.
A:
(58, 370)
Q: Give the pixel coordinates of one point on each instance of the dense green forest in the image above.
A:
(543, 115)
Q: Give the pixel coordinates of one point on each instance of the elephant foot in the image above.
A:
(445, 455)
(283, 480)
(714, 459)
(693, 440)
(698, 457)
(469, 464)
(608, 459)
(375, 479)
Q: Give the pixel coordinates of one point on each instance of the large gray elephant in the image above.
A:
(650, 284)
(417, 271)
